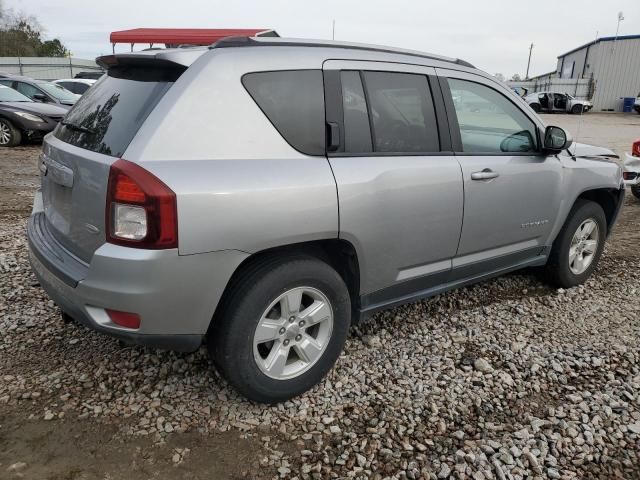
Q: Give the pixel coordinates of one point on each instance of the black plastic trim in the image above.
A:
(249, 42)
(422, 287)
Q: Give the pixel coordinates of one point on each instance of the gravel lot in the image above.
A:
(506, 379)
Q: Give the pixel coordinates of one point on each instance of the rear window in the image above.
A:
(108, 116)
(293, 100)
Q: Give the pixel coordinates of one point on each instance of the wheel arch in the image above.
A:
(608, 198)
(340, 254)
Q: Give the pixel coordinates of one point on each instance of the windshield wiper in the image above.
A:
(77, 127)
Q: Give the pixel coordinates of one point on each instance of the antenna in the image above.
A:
(333, 29)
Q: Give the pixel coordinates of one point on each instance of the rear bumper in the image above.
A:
(631, 169)
(174, 295)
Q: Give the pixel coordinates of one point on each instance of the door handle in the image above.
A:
(486, 174)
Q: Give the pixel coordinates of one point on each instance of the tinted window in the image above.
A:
(108, 116)
(294, 102)
(489, 122)
(402, 112)
(357, 131)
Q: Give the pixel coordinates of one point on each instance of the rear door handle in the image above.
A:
(486, 174)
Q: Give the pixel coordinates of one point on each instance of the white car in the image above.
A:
(76, 85)
(548, 102)
(631, 169)
(636, 104)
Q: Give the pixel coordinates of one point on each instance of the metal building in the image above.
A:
(613, 65)
(47, 68)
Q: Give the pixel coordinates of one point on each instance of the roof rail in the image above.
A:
(286, 42)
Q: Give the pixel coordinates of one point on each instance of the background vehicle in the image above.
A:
(636, 104)
(312, 182)
(75, 85)
(549, 102)
(23, 119)
(631, 173)
(40, 90)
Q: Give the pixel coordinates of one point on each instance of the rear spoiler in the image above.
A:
(169, 58)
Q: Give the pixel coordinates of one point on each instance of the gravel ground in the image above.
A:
(508, 379)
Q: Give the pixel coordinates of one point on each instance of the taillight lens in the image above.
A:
(141, 210)
(635, 149)
(124, 319)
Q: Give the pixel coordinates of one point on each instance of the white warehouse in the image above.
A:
(612, 64)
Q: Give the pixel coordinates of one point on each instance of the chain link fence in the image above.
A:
(47, 68)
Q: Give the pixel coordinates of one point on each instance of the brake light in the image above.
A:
(635, 149)
(141, 210)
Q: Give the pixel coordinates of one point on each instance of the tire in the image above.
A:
(577, 109)
(235, 349)
(10, 136)
(635, 189)
(535, 107)
(559, 271)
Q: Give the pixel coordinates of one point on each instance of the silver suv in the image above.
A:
(261, 194)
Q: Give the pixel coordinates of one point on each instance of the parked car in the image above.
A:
(23, 119)
(549, 102)
(40, 90)
(310, 184)
(631, 167)
(636, 104)
(89, 75)
(75, 85)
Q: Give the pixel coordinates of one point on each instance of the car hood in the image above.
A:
(34, 107)
(591, 151)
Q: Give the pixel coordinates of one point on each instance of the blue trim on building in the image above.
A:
(601, 39)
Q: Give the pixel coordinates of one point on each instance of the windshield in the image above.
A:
(58, 92)
(10, 95)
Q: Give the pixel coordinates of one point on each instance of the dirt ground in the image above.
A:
(90, 449)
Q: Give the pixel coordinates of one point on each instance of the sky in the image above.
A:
(494, 35)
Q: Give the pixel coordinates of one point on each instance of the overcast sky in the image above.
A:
(492, 34)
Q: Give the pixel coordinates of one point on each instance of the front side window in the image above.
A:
(489, 122)
(293, 100)
(402, 112)
(27, 90)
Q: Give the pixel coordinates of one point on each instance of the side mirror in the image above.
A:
(556, 139)
(40, 97)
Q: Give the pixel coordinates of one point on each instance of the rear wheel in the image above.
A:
(10, 136)
(535, 107)
(577, 109)
(635, 189)
(282, 328)
(578, 247)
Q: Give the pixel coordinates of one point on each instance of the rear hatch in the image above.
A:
(94, 134)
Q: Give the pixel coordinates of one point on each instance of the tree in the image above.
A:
(516, 77)
(499, 76)
(21, 35)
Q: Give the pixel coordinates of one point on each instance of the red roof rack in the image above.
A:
(185, 36)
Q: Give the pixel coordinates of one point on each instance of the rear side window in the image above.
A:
(293, 100)
(106, 119)
(357, 132)
(402, 112)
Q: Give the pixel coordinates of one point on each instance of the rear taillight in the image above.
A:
(629, 175)
(141, 210)
(635, 148)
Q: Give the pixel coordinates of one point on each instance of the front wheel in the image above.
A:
(535, 107)
(9, 135)
(282, 328)
(635, 189)
(577, 109)
(578, 247)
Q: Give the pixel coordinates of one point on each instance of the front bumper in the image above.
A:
(174, 295)
(631, 170)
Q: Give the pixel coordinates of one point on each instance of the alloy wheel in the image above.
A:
(293, 333)
(5, 134)
(584, 246)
